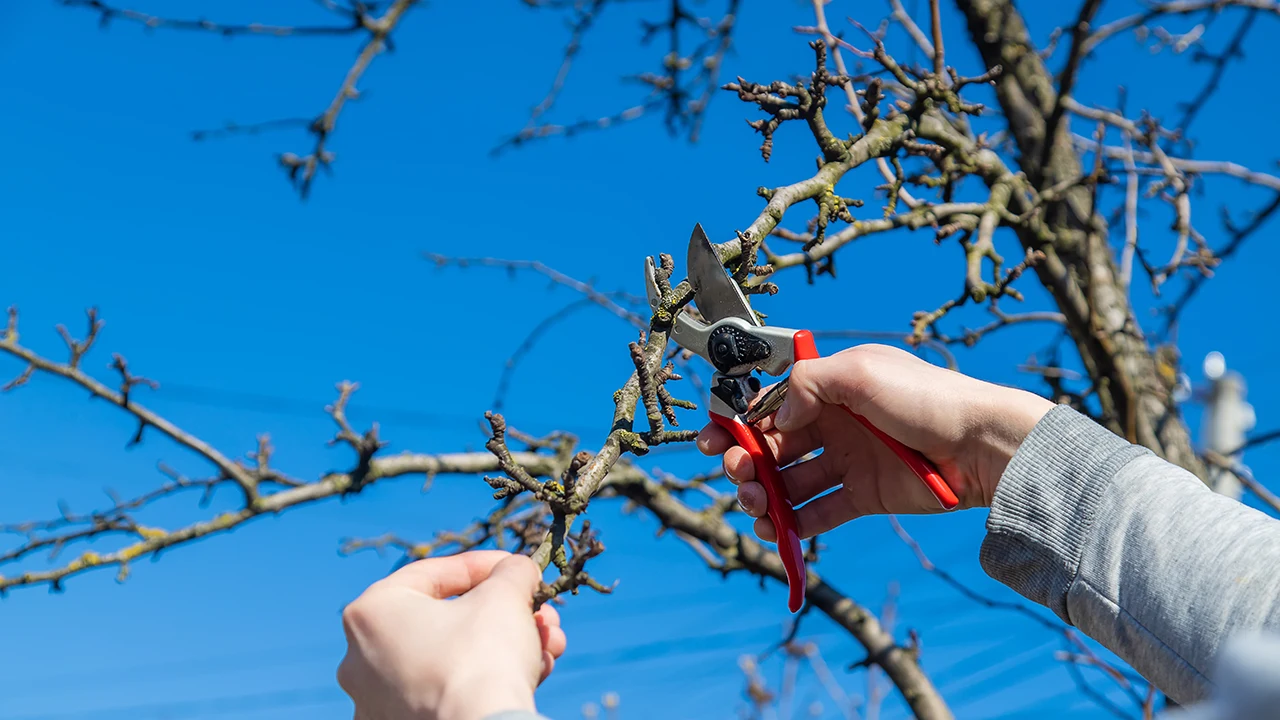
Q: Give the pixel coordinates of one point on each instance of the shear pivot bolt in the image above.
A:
(730, 347)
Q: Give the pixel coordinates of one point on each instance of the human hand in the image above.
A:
(414, 654)
(969, 429)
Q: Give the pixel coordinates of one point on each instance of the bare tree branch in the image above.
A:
(608, 301)
(1079, 268)
(1081, 650)
(683, 88)
(108, 14)
(1239, 235)
(1245, 477)
(301, 169)
(1037, 184)
(739, 552)
(1177, 7)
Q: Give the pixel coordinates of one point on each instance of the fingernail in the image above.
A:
(729, 475)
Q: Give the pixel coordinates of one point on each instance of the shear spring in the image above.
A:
(768, 403)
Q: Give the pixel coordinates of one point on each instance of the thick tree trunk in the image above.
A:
(1079, 268)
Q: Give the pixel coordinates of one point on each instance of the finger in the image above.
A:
(826, 513)
(851, 377)
(714, 440)
(752, 498)
(803, 481)
(554, 640)
(809, 479)
(446, 577)
(765, 530)
(791, 445)
(514, 579)
(786, 448)
(861, 379)
(548, 615)
(550, 633)
(738, 465)
(347, 672)
(548, 665)
(804, 401)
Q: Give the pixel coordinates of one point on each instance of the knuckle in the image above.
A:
(358, 616)
(852, 363)
(346, 674)
(799, 376)
(526, 571)
(879, 349)
(860, 357)
(804, 381)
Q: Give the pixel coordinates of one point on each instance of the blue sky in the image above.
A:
(216, 281)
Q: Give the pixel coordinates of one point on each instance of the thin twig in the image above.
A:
(302, 170)
(1177, 7)
(109, 13)
(935, 25)
(604, 300)
(1245, 477)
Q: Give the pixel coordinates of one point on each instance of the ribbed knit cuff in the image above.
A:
(1045, 504)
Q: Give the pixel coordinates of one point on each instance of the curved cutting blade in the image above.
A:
(715, 294)
(651, 290)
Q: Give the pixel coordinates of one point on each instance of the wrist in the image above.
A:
(481, 698)
(1013, 414)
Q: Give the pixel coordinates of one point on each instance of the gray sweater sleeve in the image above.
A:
(1134, 551)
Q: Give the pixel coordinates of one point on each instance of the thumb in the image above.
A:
(804, 399)
(514, 579)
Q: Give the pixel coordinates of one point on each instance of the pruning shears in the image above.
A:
(734, 341)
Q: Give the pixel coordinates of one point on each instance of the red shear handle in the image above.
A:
(804, 349)
(780, 509)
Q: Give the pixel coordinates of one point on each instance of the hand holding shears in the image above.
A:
(736, 344)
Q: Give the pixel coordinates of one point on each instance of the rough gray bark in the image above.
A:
(1079, 267)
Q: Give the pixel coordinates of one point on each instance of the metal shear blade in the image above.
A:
(728, 335)
(716, 295)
